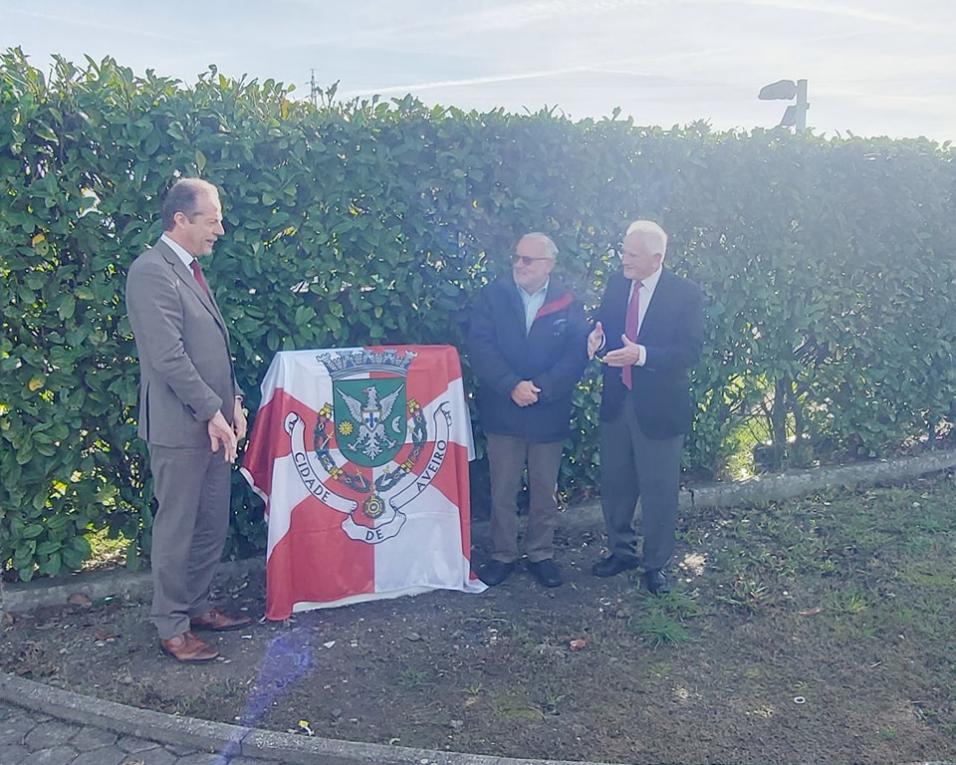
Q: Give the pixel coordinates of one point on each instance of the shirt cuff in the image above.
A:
(643, 360)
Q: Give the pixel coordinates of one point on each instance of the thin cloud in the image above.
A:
(415, 87)
(828, 9)
(91, 24)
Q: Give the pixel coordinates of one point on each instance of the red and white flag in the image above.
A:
(361, 456)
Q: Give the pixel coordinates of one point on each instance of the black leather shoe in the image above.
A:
(613, 564)
(495, 572)
(546, 572)
(656, 582)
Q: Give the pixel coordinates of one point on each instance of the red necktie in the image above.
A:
(197, 272)
(630, 328)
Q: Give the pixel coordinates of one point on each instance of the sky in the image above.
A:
(874, 67)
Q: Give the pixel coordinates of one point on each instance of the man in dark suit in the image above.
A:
(190, 415)
(526, 341)
(649, 333)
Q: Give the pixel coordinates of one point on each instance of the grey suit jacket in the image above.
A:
(186, 372)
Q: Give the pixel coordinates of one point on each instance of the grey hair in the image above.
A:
(550, 248)
(649, 232)
(183, 197)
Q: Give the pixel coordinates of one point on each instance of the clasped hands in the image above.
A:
(626, 356)
(525, 393)
(222, 434)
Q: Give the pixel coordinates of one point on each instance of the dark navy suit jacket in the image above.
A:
(672, 333)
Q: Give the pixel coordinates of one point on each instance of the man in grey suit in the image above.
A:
(190, 415)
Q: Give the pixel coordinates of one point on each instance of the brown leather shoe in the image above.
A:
(188, 648)
(219, 621)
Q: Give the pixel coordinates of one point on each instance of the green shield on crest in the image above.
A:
(370, 420)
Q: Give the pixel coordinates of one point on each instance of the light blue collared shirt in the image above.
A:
(532, 304)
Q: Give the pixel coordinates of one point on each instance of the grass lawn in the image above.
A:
(818, 630)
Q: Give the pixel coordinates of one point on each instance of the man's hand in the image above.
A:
(239, 421)
(221, 434)
(627, 356)
(525, 393)
(595, 340)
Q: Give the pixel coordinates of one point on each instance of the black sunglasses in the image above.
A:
(525, 260)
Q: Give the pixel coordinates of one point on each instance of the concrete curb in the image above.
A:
(97, 585)
(781, 486)
(231, 740)
(754, 491)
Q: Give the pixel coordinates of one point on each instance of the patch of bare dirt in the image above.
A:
(592, 670)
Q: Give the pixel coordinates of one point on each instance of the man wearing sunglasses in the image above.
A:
(526, 341)
(648, 334)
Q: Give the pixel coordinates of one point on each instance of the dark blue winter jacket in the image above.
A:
(553, 355)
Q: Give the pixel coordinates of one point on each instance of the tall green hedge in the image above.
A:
(829, 266)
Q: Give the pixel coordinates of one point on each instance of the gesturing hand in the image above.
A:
(220, 434)
(525, 393)
(626, 356)
(595, 340)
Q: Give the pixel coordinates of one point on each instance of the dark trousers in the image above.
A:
(634, 466)
(507, 457)
(189, 530)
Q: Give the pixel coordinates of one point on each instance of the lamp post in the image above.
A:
(796, 114)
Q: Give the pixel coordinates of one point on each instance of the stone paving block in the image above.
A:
(15, 722)
(250, 761)
(134, 744)
(107, 755)
(158, 756)
(51, 733)
(15, 726)
(202, 758)
(93, 738)
(13, 754)
(55, 755)
(180, 751)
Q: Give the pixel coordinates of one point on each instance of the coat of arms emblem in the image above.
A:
(370, 419)
(380, 433)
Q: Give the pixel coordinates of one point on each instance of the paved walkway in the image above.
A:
(29, 738)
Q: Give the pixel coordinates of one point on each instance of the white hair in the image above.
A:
(650, 233)
(550, 248)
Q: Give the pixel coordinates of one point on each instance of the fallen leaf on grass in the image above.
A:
(8, 619)
(577, 644)
(306, 728)
(79, 599)
(811, 611)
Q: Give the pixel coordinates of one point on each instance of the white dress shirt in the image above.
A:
(648, 286)
(184, 256)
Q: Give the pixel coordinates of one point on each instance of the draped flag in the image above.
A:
(361, 456)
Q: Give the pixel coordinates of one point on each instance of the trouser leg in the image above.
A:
(178, 476)
(506, 461)
(209, 535)
(658, 467)
(544, 462)
(620, 487)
